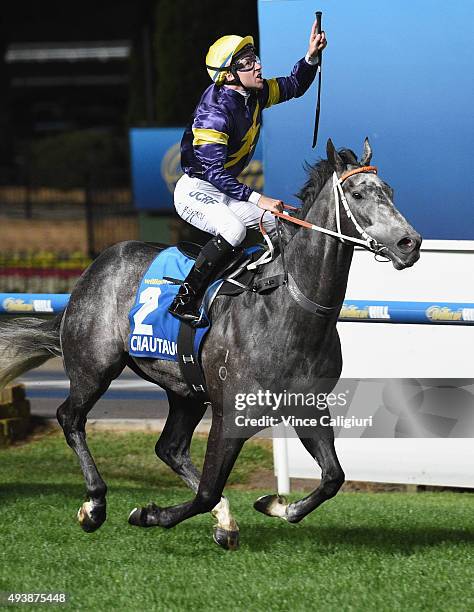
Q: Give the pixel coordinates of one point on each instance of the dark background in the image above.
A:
(62, 120)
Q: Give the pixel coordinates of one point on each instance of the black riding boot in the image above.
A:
(210, 259)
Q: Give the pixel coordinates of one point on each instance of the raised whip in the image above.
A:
(319, 17)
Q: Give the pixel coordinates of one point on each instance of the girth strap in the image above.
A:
(189, 362)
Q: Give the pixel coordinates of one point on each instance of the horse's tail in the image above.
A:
(26, 343)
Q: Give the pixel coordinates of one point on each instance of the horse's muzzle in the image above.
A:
(408, 244)
(406, 251)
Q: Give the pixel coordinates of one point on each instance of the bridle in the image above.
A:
(286, 279)
(366, 241)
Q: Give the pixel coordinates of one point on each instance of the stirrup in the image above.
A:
(188, 317)
(191, 317)
(185, 291)
(183, 308)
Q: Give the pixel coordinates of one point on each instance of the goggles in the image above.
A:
(246, 63)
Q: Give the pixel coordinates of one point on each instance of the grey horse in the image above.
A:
(274, 341)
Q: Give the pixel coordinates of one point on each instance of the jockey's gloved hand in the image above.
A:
(266, 203)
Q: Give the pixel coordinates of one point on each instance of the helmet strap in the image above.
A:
(236, 80)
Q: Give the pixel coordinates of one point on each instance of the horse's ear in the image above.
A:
(366, 154)
(333, 157)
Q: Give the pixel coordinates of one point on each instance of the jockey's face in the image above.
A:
(250, 74)
(249, 71)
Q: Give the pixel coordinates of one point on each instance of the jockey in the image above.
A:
(217, 145)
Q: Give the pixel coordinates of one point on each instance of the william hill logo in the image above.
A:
(12, 304)
(16, 305)
(372, 311)
(157, 281)
(350, 311)
(443, 313)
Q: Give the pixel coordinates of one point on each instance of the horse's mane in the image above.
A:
(319, 173)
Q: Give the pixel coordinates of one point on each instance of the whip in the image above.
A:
(319, 17)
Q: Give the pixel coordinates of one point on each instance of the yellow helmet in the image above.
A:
(219, 56)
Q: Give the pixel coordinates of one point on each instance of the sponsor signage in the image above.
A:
(28, 302)
(352, 310)
(407, 312)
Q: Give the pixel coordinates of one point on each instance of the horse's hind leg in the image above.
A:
(173, 448)
(87, 386)
(175, 439)
(72, 418)
(321, 447)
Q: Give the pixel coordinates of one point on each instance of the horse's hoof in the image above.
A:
(272, 505)
(135, 517)
(229, 540)
(145, 517)
(91, 516)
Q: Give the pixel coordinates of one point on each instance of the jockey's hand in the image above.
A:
(317, 42)
(266, 203)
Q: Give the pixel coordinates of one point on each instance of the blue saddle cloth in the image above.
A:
(153, 330)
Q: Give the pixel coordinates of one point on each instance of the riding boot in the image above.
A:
(208, 263)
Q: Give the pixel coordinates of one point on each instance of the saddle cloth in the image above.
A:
(153, 330)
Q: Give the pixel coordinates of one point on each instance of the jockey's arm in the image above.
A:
(281, 89)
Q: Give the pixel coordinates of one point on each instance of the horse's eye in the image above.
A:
(356, 195)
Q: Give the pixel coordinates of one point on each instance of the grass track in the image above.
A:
(360, 551)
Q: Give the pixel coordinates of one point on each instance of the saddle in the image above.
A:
(173, 339)
(237, 278)
(235, 266)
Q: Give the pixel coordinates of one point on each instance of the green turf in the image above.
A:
(360, 551)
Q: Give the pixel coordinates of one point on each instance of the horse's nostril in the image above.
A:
(407, 245)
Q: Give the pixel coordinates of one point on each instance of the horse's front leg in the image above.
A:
(221, 454)
(173, 448)
(321, 447)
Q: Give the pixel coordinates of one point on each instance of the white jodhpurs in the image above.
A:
(204, 206)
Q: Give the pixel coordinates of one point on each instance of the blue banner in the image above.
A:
(370, 311)
(155, 156)
(386, 75)
(156, 167)
(407, 312)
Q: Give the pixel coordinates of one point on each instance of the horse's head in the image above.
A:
(369, 200)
